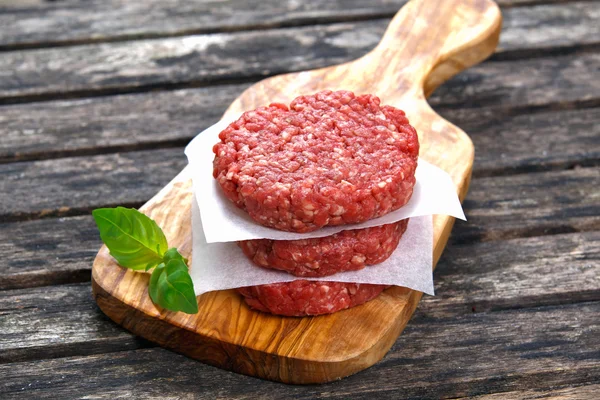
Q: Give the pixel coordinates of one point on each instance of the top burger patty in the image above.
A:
(329, 159)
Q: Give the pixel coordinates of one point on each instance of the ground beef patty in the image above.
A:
(349, 250)
(329, 159)
(301, 298)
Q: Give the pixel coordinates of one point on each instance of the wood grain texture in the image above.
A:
(97, 125)
(516, 350)
(76, 21)
(509, 143)
(47, 252)
(225, 332)
(58, 321)
(70, 186)
(207, 59)
(90, 21)
(569, 393)
(188, 61)
(537, 366)
(158, 119)
(534, 29)
(532, 205)
(546, 83)
(515, 274)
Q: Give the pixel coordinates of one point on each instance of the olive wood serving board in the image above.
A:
(426, 43)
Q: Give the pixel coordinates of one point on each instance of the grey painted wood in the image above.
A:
(570, 393)
(111, 123)
(47, 252)
(435, 357)
(517, 273)
(34, 23)
(529, 141)
(200, 59)
(57, 321)
(531, 205)
(490, 101)
(71, 186)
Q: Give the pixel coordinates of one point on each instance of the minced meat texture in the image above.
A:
(332, 158)
(301, 298)
(349, 250)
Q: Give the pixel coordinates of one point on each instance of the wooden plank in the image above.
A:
(190, 60)
(47, 252)
(552, 83)
(97, 125)
(61, 187)
(483, 276)
(531, 205)
(564, 393)
(469, 355)
(201, 59)
(508, 143)
(517, 273)
(57, 321)
(545, 26)
(84, 21)
(111, 123)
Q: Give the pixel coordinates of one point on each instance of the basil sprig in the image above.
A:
(138, 243)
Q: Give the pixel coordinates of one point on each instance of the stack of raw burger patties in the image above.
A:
(332, 158)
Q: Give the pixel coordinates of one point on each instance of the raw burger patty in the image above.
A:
(329, 159)
(345, 251)
(301, 298)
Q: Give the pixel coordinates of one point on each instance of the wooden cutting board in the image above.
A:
(426, 43)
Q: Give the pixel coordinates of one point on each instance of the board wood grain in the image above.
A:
(426, 43)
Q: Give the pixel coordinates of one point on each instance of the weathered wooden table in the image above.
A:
(99, 98)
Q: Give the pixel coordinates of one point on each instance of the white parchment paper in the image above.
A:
(434, 193)
(220, 266)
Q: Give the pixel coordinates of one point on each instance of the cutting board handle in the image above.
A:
(428, 41)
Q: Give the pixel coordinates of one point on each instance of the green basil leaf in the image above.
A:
(173, 254)
(171, 287)
(153, 285)
(132, 238)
